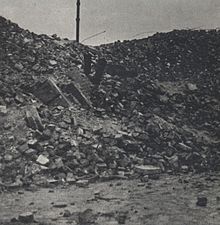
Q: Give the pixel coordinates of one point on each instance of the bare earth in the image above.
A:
(168, 201)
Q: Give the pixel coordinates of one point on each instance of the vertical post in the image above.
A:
(77, 19)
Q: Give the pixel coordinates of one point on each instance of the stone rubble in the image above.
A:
(160, 94)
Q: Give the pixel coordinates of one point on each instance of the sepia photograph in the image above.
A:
(109, 112)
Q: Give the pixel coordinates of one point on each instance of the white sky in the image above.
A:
(122, 19)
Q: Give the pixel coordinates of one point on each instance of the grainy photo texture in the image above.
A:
(109, 112)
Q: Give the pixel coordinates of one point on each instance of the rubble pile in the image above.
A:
(159, 67)
(156, 110)
(167, 87)
(27, 58)
(175, 55)
(40, 80)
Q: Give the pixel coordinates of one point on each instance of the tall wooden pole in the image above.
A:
(77, 20)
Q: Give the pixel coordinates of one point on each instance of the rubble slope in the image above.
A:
(157, 108)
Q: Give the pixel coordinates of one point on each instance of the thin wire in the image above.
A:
(94, 35)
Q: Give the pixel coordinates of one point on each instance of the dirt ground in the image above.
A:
(171, 200)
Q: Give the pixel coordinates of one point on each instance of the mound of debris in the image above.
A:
(27, 58)
(167, 86)
(45, 136)
(157, 108)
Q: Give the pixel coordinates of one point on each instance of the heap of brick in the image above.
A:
(160, 95)
(168, 87)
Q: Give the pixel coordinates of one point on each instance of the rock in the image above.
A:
(185, 169)
(49, 93)
(101, 165)
(14, 220)
(31, 153)
(141, 184)
(80, 131)
(3, 110)
(53, 62)
(147, 170)
(27, 217)
(33, 143)
(72, 89)
(33, 119)
(145, 179)
(23, 147)
(43, 160)
(86, 217)
(202, 201)
(47, 134)
(60, 205)
(70, 178)
(52, 181)
(8, 158)
(17, 184)
(154, 176)
(82, 183)
(184, 147)
(67, 213)
(19, 99)
(74, 143)
(19, 66)
(192, 87)
(58, 163)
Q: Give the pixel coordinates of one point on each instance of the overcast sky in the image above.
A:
(121, 19)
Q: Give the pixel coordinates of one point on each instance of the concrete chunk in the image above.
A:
(147, 169)
(3, 110)
(49, 93)
(33, 119)
(78, 94)
(43, 160)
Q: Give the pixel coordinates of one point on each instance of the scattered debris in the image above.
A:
(154, 107)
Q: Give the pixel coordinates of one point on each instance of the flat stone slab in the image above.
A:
(147, 169)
